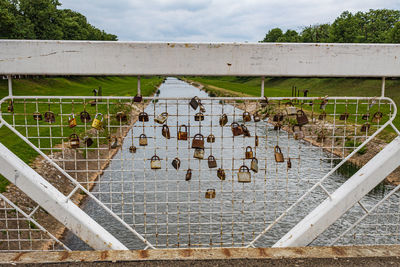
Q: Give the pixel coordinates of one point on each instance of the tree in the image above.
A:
(394, 35)
(315, 33)
(290, 36)
(273, 35)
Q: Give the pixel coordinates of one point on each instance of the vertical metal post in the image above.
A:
(262, 86)
(9, 77)
(383, 86)
(138, 86)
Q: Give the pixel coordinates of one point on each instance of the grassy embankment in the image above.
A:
(75, 86)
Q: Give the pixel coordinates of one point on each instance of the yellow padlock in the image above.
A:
(72, 120)
(97, 123)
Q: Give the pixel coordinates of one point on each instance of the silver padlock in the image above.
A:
(162, 118)
(198, 153)
(290, 109)
(244, 175)
(254, 165)
(155, 162)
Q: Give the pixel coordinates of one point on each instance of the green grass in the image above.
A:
(72, 86)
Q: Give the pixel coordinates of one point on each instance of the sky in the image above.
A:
(212, 20)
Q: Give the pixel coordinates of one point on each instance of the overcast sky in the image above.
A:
(212, 20)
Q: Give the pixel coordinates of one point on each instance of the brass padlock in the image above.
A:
(49, 117)
(10, 107)
(212, 163)
(221, 174)
(162, 118)
(211, 138)
(254, 165)
(244, 175)
(132, 149)
(236, 129)
(290, 109)
(199, 117)
(202, 108)
(37, 116)
(121, 116)
(198, 141)
(301, 117)
(115, 143)
(365, 127)
(278, 154)
(85, 116)
(165, 131)
(249, 152)
(223, 120)
(264, 102)
(138, 98)
(143, 117)
(182, 134)
(344, 116)
(365, 116)
(194, 102)
(72, 120)
(289, 163)
(297, 132)
(377, 116)
(256, 117)
(198, 153)
(188, 176)
(74, 141)
(176, 163)
(256, 140)
(245, 131)
(88, 141)
(246, 116)
(155, 162)
(323, 104)
(143, 140)
(322, 116)
(98, 123)
(210, 193)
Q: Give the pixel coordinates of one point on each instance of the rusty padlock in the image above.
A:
(210, 193)
(132, 149)
(223, 120)
(254, 165)
(49, 117)
(245, 131)
(10, 107)
(176, 163)
(143, 117)
(323, 104)
(199, 117)
(365, 127)
(297, 132)
(198, 141)
(143, 140)
(155, 162)
(221, 174)
(290, 109)
(322, 116)
(162, 118)
(121, 116)
(98, 123)
(88, 141)
(188, 175)
(71, 120)
(138, 98)
(365, 116)
(289, 163)
(37, 116)
(344, 116)
(194, 102)
(210, 138)
(249, 153)
(199, 153)
(114, 144)
(256, 117)
(244, 175)
(256, 140)
(377, 116)
(278, 154)
(264, 102)
(74, 141)
(301, 117)
(165, 131)
(182, 134)
(85, 117)
(212, 163)
(236, 129)
(246, 116)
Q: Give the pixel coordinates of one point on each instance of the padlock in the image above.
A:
(277, 126)
(72, 120)
(162, 118)
(221, 174)
(365, 127)
(143, 140)
(138, 98)
(365, 116)
(194, 102)
(210, 193)
(323, 104)
(188, 176)
(254, 165)
(377, 116)
(143, 117)
(93, 103)
(182, 134)
(199, 117)
(344, 116)
(223, 120)
(256, 117)
(88, 141)
(85, 116)
(114, 143)
(74, 141)
(290, 109)
(297, 132)
(202, 108)
(278, 117)
(10, 107)
(236, 129)
(373, 102)
(278, 154)
(301, 117)
(264, 102)
(165, 131)
(212, 163)
(49, 117)
(246, 116)
(155, 162)
(322, 116)
(289, 163)
(198, 141)
(211, 138)
(98, 123)
(245, 131)
(176, 163)
(121, 116)
(37, 116)
(132, 149)
(244, 175)
(198, 153)
(249, 153)
(256, 140)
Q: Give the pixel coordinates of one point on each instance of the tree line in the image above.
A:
(374, 26)
(41, 19)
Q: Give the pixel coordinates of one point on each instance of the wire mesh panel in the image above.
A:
(199, 172)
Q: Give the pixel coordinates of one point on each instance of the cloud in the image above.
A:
(212, 20)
